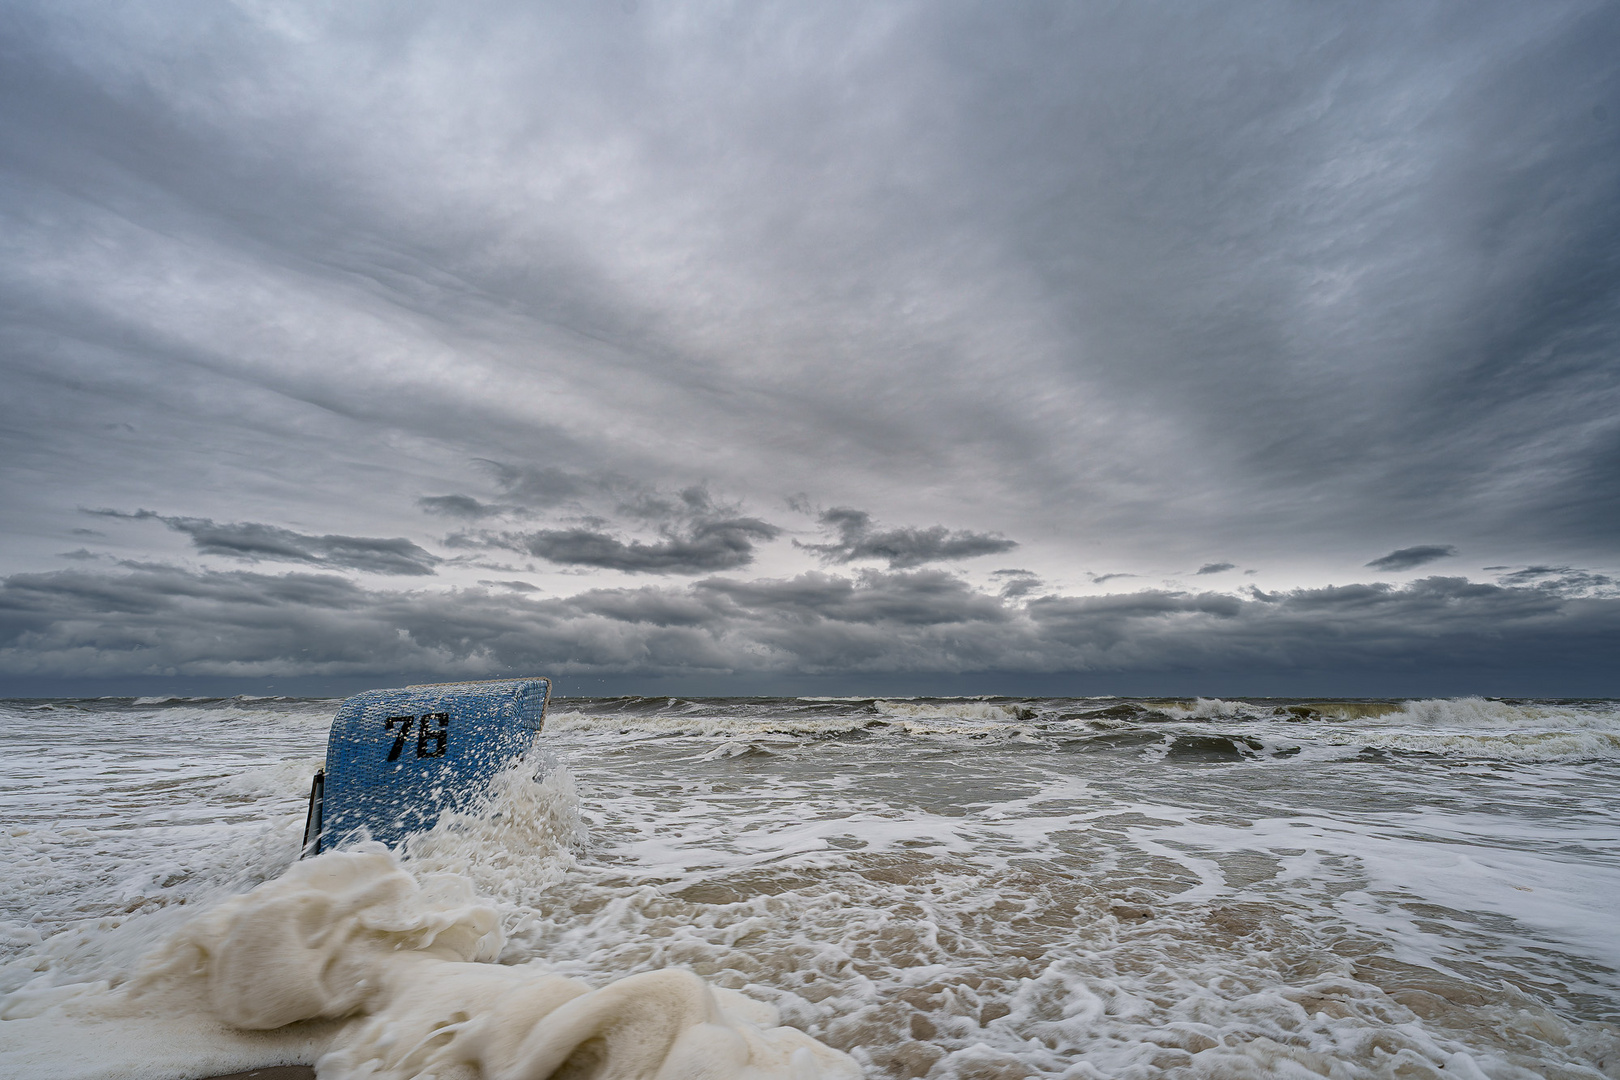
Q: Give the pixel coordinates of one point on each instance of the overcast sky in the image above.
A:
(1239, 348)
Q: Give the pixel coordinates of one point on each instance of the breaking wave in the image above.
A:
(1472, 728)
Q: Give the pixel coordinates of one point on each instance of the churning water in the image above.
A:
(991, 888)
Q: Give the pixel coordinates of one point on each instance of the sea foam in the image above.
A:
(353, 964)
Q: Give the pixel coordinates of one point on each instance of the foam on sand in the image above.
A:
(352, 964)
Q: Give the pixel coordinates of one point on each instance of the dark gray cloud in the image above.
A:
(902, 548)
(162, 619)
(515, 586)
(704, 546)
(457, 506)
(920, 598)
(1410, 557)
(537, 488)
(545, 487)
(1566, 580)
(252, 541)
(1443, 621)
(1216, 568)
(1017, 583)
(697, 534)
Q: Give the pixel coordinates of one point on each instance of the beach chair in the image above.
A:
(397, 759)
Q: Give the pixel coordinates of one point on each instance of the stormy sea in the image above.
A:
(953, 888)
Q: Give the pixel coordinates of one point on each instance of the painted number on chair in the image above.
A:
(432, 734)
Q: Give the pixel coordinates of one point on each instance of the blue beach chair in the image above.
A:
(397, 759)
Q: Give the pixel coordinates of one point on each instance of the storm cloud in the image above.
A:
(1016, 583)
(704, 546)
(1561, 579)
(901, 548)
(457, 506)
(1409, 558)
(596, 293)
(185, 622)
(253, 541)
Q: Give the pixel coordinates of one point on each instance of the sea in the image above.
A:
(970, 888)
